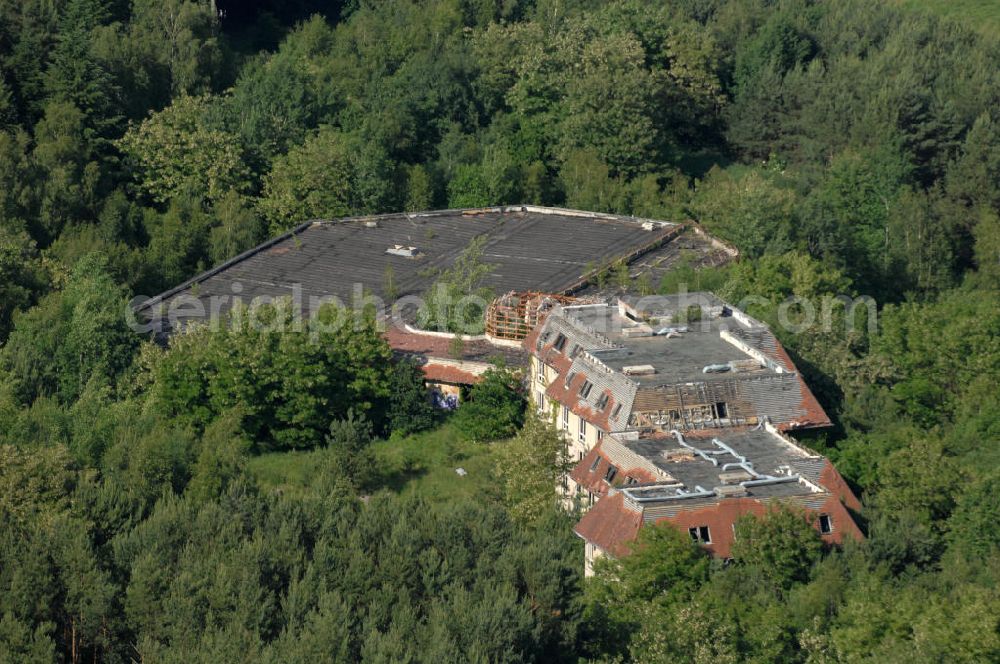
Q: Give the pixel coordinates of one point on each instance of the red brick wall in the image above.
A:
(721, 517)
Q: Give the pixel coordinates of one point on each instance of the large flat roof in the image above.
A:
(527, 248)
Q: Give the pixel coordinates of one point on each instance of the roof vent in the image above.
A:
(371, 223)
(679, 454)
(639, 370)
(734, 477)
(730, 491)
(400, 250)
(637, 331)
(742, 366)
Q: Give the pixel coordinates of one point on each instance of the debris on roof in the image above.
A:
(724, 370)
(708, 478)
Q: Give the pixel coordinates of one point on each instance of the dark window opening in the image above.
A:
(629, 480)
(615, 412)
(575, 351)
(610, 475)
(700, 534)
(585, 388)
(602, 403)
(597, 462)
(825, 524)
(674, 415)
(560, 342)
(720, 410)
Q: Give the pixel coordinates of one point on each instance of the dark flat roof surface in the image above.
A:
(528, 248)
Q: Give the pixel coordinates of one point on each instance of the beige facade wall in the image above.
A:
(590, 555)
(568, 422)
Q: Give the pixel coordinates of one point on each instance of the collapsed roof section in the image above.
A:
(683, 362)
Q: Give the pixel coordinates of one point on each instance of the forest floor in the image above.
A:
(423, 464)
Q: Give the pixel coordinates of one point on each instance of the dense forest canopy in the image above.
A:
(847, 148)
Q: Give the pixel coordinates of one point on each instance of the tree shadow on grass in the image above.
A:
(395, 479)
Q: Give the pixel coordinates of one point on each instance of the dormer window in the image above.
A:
(575, 351)
(569, 377)
(585, 389)
(610, 475)
(560, 342)
(597, 462)
(700, 534)
(825, 524)
(616, 411)
(602, 402)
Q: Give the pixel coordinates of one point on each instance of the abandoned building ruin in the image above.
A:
(677, 409)
(674, 408)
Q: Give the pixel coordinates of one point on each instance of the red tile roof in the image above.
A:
(424, 344)
(610, 525)
(566, 395)
(833, 482)
(815, 415)
(441, 373)
(593, 480)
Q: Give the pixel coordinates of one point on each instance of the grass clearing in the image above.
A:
(425, 464)
(422, 464)
(286, 471)
(981, 15)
